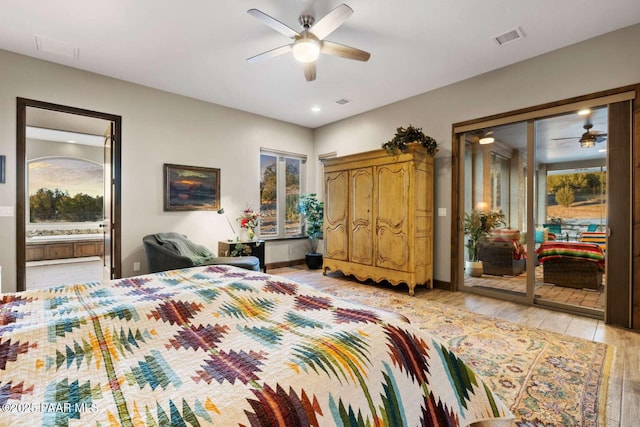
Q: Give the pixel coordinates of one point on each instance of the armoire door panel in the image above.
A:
(394, 203)
(393, 196)
(336, 235)
(361, 243)
(336, 242)
(393, 250)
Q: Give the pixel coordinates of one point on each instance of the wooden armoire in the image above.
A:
(378, 221)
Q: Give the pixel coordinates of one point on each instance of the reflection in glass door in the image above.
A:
(571, 209)
(560, 162)
(495, 209)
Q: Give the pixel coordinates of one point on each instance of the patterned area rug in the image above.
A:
(547, 379)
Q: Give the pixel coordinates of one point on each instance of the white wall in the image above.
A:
(157, 128)
(605, 62)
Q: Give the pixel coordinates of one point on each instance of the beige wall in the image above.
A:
(158, 127)
(605, 62)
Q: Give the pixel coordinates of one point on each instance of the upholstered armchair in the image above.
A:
(502, 253)
(163, 255)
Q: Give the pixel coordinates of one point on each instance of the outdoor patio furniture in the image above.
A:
(597, 237)
(502, 253)
(572, 264)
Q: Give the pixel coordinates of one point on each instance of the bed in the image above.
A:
(224, 346)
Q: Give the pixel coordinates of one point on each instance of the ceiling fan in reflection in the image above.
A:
(589, 138)
(482, 137)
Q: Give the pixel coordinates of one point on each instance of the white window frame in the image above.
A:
(281, 189)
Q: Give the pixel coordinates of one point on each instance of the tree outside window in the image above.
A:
(280, 189)
(65, 190)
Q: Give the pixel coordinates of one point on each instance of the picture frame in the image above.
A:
(191, 188)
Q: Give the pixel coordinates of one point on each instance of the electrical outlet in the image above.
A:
(136, 266)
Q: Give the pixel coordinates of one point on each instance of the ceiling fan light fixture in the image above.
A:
(588, 141)
(486, 140)
(306, 50)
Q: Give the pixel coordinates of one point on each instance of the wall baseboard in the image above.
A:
(440, 284)
(282, 264)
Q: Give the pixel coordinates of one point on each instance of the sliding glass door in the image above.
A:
(495, 209)
(534, 209)
(571, 204)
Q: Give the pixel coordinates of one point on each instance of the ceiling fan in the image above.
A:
(308, 44)
(587, 139)
(482, 137)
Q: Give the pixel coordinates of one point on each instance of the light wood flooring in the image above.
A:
(623, 401)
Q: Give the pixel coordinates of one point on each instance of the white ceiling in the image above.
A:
(557, 138)
(198, 48)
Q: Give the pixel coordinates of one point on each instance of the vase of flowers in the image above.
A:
(477, 225)
(249, 220)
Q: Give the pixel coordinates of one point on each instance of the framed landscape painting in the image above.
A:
(191, 188)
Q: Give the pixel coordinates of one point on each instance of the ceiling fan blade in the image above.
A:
(273, 23)
(310, 71)
(561, 139)
(270, 53)
(331, 21)
(337, 49)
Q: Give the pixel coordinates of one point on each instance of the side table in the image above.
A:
(257, 250)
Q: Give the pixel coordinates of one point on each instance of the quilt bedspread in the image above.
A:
(223, 346)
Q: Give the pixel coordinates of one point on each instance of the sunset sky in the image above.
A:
(69, 175)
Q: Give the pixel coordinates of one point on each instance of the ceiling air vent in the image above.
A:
(56, 47)
(342, 101)
(509, 36)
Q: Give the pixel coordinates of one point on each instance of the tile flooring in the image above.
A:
(581, 297)
(41, 274)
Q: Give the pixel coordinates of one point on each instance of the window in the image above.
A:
(500, 183)
(281, 184)
(65, 190)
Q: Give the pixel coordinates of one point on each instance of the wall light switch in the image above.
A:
(6, 210)
(442, 211)
(136, 266)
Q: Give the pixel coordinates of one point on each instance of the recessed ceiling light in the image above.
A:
(487, 140)
(315, 109)
(584, 112)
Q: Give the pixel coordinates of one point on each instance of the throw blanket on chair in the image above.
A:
(197, 253)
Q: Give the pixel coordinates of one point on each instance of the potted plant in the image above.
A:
(313, 212)
(409, 135)
(477, 225)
